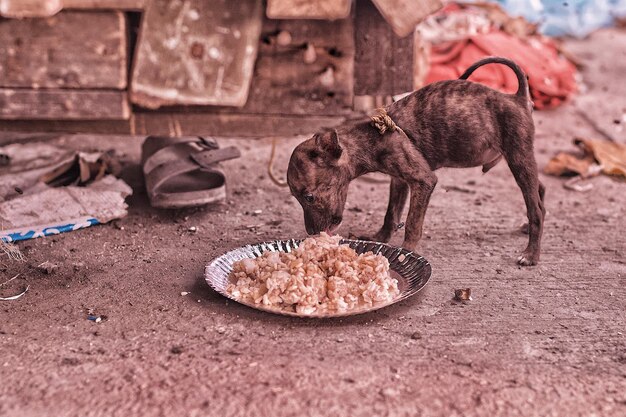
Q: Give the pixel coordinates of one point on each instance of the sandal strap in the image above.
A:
(207, 159)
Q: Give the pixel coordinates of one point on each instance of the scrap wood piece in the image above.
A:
(135, 5)
(308, 9)
(196, 52)
(69, 50)
(98, 203)
(57, 104)
(231, 125)
(29, 8)
(403, 15)
(46, 8)
(383, 61)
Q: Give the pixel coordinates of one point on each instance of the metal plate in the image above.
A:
(412, 273)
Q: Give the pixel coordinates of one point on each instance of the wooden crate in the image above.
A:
(69, 66)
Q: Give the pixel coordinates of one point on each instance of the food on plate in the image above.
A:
(319, 276)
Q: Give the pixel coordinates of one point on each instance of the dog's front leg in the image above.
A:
(398, 193)
(421, 188)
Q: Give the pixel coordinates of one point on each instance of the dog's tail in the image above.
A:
(522, 90)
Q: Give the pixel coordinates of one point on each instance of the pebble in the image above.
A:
(389, 392)
(416, 336)
(184, 293)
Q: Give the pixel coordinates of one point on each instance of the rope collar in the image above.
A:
(383, 122)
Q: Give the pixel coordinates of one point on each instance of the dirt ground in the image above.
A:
(542, 341)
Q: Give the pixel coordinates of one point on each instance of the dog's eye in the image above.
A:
(308, 197)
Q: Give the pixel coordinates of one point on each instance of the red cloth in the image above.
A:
(551, 76)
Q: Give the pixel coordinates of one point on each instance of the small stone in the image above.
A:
(176, 350)
(389, 392)
(221, 330)
(184, 293)
(193, 229)
(416, 336)
(257, 212)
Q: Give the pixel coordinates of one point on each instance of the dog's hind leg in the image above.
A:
(521, 160)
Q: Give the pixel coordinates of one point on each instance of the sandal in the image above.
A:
(184, 171)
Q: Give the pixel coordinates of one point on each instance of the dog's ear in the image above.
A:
(328, 144)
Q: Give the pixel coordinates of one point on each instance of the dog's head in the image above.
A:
(316, 179)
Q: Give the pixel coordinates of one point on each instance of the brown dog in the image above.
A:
(454, 123)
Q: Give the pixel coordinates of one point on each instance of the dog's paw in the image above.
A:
(378, 237)
(528, 259)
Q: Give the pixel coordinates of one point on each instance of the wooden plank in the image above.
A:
(221, 125)
(19, 127)
(308, 9)
(383, 62)
(288, 79)
(196, 52)
(229, 125)
(46, 8)
(29, 8)
(69, 50)
(403, 15)
(131, 5)
(63, 104)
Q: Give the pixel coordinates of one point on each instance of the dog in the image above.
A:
(454, 123)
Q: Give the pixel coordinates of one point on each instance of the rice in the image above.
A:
(320, 276)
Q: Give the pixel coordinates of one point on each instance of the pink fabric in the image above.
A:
(551, 76)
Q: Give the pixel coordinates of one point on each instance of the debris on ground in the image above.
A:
(47, 267)
(48, 177)
(97, 203)
(594, 156)
(463, 294)
(13, 297)
(97, 318)
(184, 293)
(11, 250)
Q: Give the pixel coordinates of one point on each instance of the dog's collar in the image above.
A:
(383, 122)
